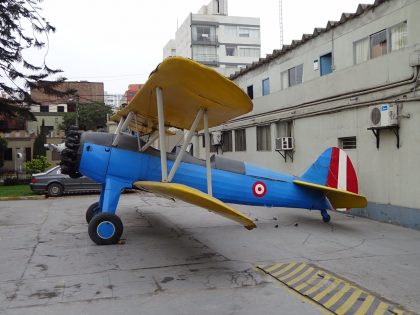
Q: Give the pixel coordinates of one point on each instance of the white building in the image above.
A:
(354, 84)
(113, 100)
(213, 38)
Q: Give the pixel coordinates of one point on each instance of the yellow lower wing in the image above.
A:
(197, 198)
(338, 198)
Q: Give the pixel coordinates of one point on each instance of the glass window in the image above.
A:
(284, 128)
(204, 53)
(250, 91)
(8, 154)
(44, 108)
(230, 51)
(398, 36)
(361, 50)
(249, 52)
(60, 109)
(231, 31)
(295, 75)
(378, 44)
(204, 33)
(347, 143)
(264, 138)
(249, 32)
(28, 154)
(326, 64)
(266, 86)
(227, 141)
(240, 140)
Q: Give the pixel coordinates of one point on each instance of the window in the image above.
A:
(28, 154)
(230, 51)
(8, 154)
(47, 129)
(60, 109)
(231, 31)
(326, 64)
(240, 140)
(264, 138)
(378, 44)
(295, 75)
(44, 108)
(227, 141)
(249, 32)
(361, 50)
(173, 52)
(266, 86)
(284, 128)
(204, 53)
(347, 143)
(398, 36)
(250, 91)
(203, 33)
(249, 52)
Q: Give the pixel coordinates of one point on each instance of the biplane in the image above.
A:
(183, 94)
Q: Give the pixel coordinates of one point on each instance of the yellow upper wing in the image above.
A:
(187, 86)
(338, 198)
(198, 198)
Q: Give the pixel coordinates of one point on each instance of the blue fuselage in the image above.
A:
(107, 163)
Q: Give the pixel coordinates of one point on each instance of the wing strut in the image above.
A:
(161, 122)
(121, 127)
(207, 148)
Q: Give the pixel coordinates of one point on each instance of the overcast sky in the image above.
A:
(121, 42)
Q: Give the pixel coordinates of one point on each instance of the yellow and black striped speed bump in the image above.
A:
(337, 295)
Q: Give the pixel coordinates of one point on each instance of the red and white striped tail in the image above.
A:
(341, 173)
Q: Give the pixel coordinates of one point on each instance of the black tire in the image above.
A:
(55, 190)
(326, 218)
(105, 229)
(92, 211)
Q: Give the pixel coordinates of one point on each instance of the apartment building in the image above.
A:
(214, 38)
(353, 84)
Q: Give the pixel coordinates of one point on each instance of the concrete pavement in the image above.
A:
(180, 259)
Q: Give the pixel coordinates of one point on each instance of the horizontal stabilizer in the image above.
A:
(338, 198)
(197, 198)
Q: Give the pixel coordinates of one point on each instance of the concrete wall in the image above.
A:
(324, 109)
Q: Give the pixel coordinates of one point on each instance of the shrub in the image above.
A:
(37, 165)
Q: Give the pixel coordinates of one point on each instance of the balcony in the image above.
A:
(207, 59)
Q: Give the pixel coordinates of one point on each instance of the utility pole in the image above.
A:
(281, 22)
(77, 110)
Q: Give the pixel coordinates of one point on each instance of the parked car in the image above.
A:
(54, 184)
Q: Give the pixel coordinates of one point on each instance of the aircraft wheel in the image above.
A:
(326, 218)
(105, 229)
(92, 211)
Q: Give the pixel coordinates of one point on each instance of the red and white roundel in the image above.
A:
(259, 189)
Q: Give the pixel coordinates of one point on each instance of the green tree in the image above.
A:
(40, 140)
(22, 28)
(3, 148)
(91, 117)
(37, 165)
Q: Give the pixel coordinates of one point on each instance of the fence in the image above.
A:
(14, 178)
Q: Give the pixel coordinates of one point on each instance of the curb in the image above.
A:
(36, 197)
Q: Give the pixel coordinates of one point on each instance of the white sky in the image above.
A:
(121, 42)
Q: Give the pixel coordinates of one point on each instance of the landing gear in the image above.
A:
(105, 229)
(325, 216)
(92, 211)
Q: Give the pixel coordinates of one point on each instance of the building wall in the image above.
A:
(326, 108)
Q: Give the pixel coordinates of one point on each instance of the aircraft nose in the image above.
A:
(69, 157)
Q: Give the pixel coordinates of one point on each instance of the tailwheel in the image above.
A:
(92, 211)
(325, 216)
(105, 229)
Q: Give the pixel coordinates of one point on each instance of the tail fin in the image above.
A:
(333, 173)
(333, 169)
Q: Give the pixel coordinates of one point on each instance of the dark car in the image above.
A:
(54, 184)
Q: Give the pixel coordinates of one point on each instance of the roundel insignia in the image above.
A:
(259, 189)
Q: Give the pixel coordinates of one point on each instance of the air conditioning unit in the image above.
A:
(216, 137)
(284, 144)
(384, 115)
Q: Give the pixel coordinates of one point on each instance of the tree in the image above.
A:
(3, 148)
(91, 117)
(40, 140)
(23, 28)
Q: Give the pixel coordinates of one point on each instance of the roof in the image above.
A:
(277, 53)
(187, 86)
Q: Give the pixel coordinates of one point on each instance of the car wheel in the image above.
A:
(92, 211)
(105, 229)
(55, 190)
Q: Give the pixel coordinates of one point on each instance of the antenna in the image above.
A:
(281, 22)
